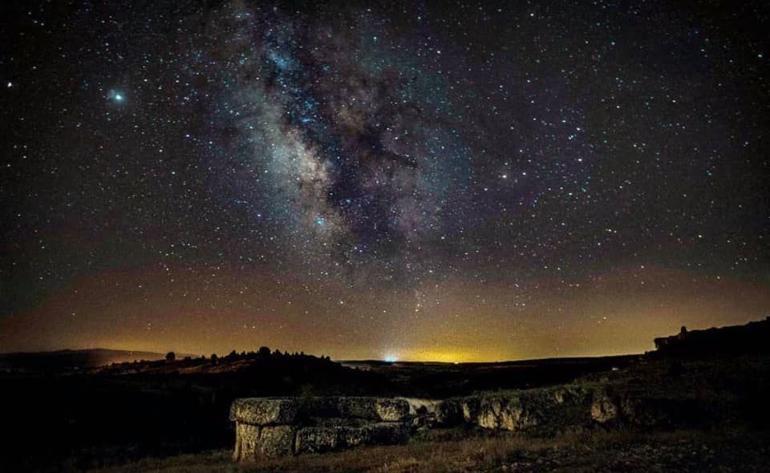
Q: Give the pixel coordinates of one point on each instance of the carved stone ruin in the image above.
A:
(272, 427)
(283, 426)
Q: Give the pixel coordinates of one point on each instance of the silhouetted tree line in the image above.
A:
(263, 352)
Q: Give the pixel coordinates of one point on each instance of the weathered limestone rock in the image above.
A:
(387, 433)
(246, 441)
(432, 413)
(470, 409)
(253, 441)
(384, 409)
(317, 439)
(284, 426)
(603, 409)
(264, 411)
(287, 426)
(570, 394)
(357, 407)
(355, 436)
(275, 441)
(506, 413)
(544, 410)
(449, 413)
(392, 410)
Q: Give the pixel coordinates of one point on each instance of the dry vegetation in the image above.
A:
(588, 452)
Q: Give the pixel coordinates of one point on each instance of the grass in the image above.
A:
(598, 451)
(434, 456)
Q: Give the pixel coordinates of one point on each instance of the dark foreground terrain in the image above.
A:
(695, 410)
(680, 451)
(127, 411)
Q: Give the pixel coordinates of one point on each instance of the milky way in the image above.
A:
(356, 151)
(474, 181)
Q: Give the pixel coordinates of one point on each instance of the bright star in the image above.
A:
(116, 96)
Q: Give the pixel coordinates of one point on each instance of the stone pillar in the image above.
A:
(263, 427)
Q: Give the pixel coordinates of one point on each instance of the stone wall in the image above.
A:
(286, 426)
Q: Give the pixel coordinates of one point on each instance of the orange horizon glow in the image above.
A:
(617, 313)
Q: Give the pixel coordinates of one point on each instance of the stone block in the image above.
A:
(264, 411)
(357, 407)
(387, 433)
(392, 410)
(355, 436)
(246, 442)
(272, 427)
(318, 439)
(507, 412)
(276, 441)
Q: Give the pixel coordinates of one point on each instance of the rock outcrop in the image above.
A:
(736, 339)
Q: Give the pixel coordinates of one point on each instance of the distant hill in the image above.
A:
(70, 360)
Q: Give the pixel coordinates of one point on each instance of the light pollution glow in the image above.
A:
(616, 313)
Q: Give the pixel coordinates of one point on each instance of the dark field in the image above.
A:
(681, 451)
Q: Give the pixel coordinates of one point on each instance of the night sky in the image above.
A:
(490, 180)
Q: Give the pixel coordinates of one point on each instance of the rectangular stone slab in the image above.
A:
(372, 408)
(253, 441)
(324, 439)
(276, 441)
(264, 411)
(318, 439)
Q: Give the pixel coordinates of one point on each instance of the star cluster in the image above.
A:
(411, 179)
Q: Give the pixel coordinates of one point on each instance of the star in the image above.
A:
(116, 96)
